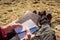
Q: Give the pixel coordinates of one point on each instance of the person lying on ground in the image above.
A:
(45, 32)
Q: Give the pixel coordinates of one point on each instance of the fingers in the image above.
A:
(27, 31)
(32, 37)
(25, 38)
(29, 36)
(16, 25)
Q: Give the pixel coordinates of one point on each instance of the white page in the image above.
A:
(29, 23)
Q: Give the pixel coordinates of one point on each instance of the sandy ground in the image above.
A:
(11, 10)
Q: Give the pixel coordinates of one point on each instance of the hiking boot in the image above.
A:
(43, 13)
(35, 12)
(43, 19)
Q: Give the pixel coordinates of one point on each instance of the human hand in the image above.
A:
(9, 28)
(29, 35)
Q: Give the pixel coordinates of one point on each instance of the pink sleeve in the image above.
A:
(3, 32)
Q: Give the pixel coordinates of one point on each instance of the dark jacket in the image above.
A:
(45, 33)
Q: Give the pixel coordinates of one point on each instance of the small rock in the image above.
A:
(13, 0)
(33, 6)
(10, 10)
(7, 3)
(38, 0)
(25, 0)
(5, 13)
(44, 2)
(0, 16)
(58, 12)
(57, 27)
(48, 4)
(37, 5)
(51, 4)
(21, 3)
(0, 0)
(35, 2)
(47, 0)
(58, 16)
(4, 20)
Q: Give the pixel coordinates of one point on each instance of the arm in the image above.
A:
(2, 34)
(7, 32)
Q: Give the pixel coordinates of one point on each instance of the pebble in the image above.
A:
(5, 13)
(0, 0)
(35, 2)
(10, 10)
(7, 3)
(57, 27)
(13, 0)
(51, 4)
(44, 2)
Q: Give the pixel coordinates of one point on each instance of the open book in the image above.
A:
(28, 20)
(27, 24)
